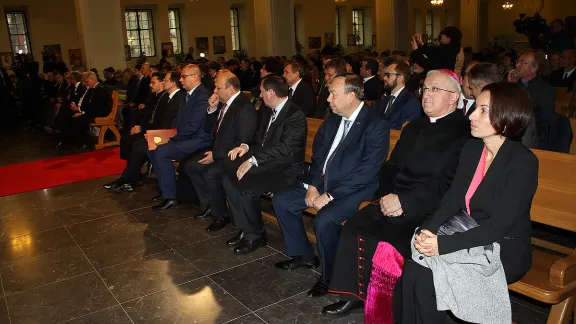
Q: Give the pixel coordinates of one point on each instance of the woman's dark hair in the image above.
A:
(455, 36)
(510, 109)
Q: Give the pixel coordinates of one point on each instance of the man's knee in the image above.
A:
(282, 199)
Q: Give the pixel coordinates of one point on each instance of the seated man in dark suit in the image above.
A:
(400, 106)
(246, 75)
(63, 120)
(349, 150)
(231, 123)
(412, 183)
(208, 75)
(565, 76)
(332, 68)
(157, 97)
(300, 92)
(136, 95)
(190, 137)
(528, 73)
(160, 117)
(96, 102)
(483, 74)
(373, 87)
(272, 161)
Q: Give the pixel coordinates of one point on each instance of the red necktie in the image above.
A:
(465, 105)
(220, 117)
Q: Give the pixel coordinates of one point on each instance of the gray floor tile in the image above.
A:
(199, 301)
(60, 301)
(213, 255)
(259, 284)
(134, 279)
(44, 269)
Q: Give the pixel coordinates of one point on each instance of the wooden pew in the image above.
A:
(108, 123)
(552, 277)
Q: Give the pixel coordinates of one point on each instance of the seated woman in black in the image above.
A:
(495, 183)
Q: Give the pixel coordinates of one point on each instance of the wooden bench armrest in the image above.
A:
(563, 271)
(364, 204)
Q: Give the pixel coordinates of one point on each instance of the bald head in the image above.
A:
(226, 85)
(190, 77)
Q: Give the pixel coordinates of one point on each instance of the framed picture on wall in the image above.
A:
(351, 40)
(127, 53)
(75, 56)
(7, 60)
(329, 38)
(53, 49)
(169, 48)
(202, 45)
(219, 43)
(373, 40)
(314, 42)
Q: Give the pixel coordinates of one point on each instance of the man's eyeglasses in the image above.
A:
(184, 76)
(423, 90)
(388, 74)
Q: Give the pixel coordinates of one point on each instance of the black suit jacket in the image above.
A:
(75, 93)
(97, 102)
(165, 115)
(373, 89)
(404, 108)
(500, 205)
(323, 107)
(557, 79)
(238, 126)
(282, 154)
(208, 83)
(355, 164)
(423, 163)
(156, 108)
(246, 80)
(305, 98)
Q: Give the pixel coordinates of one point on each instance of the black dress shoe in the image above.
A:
(343, 308)
(115, 184)
(249, 246)
(158, 198)
(206, 212)
(297, 263)
(125, 188)
(236, 239)
(218, 224)
(319, 289)
(167, 204)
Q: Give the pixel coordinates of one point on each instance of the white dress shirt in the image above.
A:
(295, 86)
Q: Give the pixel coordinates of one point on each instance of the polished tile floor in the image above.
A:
(79, 254)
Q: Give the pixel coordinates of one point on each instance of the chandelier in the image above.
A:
(507, 6)
(339, 1)
(437, 2)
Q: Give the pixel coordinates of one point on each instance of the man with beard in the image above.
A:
(400, 106)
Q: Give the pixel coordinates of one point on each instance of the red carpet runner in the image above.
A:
(53, 172)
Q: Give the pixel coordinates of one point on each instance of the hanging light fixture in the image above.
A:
(339, 1)
(507, 5)
(437, 2)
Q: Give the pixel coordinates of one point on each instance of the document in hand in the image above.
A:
(157, 137)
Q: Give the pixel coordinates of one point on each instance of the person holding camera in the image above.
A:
(439, 57)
